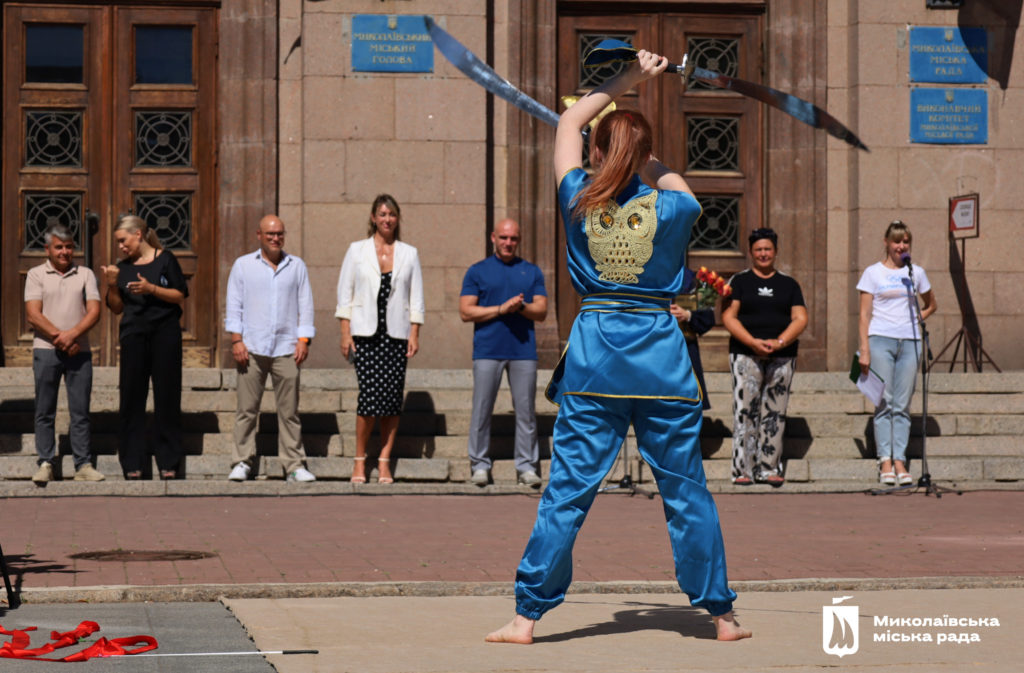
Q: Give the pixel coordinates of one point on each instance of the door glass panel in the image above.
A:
(163, 54)
(54, 53)
(721, 55)
(53, 138)
(43, 210)
(163, 138)
(713, 143)
(169, 215)
(719, 227)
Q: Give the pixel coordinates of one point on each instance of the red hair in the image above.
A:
(624, 141)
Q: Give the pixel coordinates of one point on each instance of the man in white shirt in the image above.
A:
(270, 321)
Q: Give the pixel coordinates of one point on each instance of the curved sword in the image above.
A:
(617, 51)
(481, 73)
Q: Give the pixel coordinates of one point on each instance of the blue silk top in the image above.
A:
(627, 261)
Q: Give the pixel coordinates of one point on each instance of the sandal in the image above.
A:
(382, 479)
(743, 481)
(134, 475)
(905, 478)
(887, 478)
(358, 479)
(775, 480)
(168, 474)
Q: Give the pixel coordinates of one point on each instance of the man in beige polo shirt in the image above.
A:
(62, 303)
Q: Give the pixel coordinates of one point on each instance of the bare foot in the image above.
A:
(729, 629)
(519, 630)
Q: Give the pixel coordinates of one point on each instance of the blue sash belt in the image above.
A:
(615, 302)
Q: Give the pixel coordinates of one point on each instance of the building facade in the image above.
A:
(203, 116)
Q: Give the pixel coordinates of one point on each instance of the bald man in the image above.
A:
(504, 296)
(270, 321)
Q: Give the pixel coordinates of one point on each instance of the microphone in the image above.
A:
(905, 259)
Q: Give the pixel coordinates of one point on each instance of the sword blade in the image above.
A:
(481, 73)
(800, 109)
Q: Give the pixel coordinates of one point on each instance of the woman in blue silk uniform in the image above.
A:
(627, 228)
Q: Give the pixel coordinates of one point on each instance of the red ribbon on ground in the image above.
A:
(18, 647)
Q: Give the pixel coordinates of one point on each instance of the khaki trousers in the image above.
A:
(284, 376)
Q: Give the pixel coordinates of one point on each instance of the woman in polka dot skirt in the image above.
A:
(380, 308)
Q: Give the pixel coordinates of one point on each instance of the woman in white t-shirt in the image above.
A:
(890, 344)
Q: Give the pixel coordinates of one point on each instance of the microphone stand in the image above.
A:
(626, 483)
(924, 355)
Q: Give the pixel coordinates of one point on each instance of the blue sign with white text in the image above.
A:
(948, 55)
(949, 116)
(391, 43)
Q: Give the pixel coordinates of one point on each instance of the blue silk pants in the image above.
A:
(588, 433)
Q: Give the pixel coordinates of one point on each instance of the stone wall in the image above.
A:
(869, 84)
(433, 142)
(347, 136)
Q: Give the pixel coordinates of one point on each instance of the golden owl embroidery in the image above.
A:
(620, 239)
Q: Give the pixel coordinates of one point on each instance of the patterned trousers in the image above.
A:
(760, 393)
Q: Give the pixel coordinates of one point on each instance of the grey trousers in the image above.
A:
(284, 375)
(49, 366)
(522, 380)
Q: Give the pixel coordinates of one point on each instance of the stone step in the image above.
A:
(456, 422)
(108, 400)
(437, 379)
(220, 446)
(996, 469)
(863, 472)
(218, 467)
(974, 427)
(460, 399)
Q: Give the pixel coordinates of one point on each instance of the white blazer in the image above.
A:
(359, 284)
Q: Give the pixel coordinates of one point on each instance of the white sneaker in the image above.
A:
(239, 472)
(480, 477)
(301, 474)
(529, 478)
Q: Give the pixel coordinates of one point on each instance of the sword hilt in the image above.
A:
(684, 69)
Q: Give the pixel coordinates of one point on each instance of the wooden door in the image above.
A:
(109, 109)
(54, 166)
(577, 35)
(164, 149)
(713, 137)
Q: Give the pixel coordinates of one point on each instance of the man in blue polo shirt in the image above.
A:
(504, 296)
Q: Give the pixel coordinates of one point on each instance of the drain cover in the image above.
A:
(123, 555)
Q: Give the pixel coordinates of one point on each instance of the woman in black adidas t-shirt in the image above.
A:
(765, 316)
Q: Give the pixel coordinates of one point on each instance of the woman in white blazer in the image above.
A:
(380, 308)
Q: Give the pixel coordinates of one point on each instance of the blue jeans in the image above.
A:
(896, 362)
